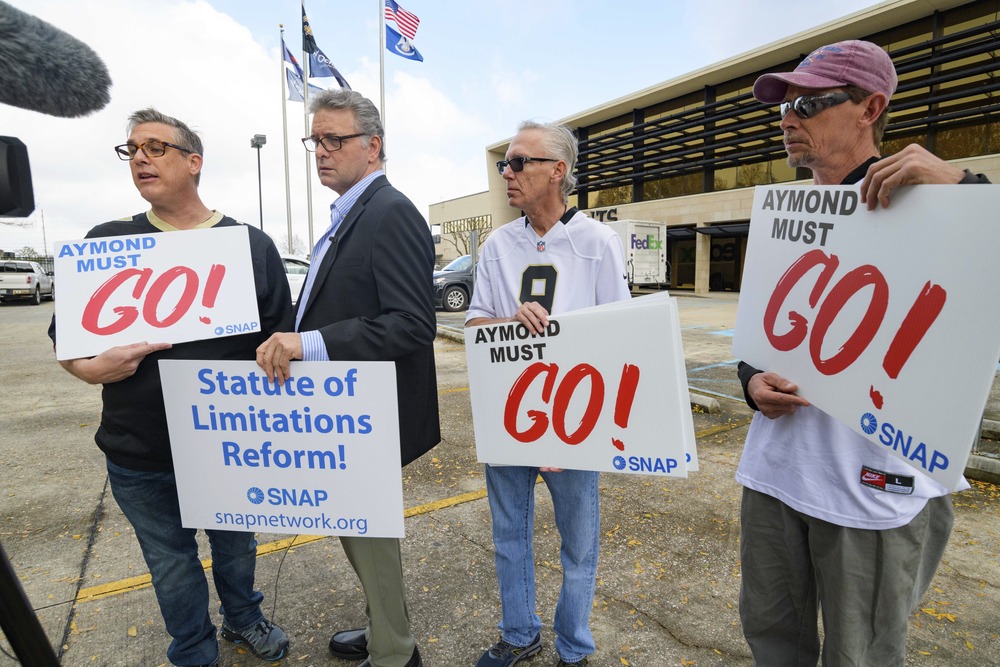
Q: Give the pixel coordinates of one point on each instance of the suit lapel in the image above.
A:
(338, 239)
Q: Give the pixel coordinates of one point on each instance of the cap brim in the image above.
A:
(771, 88)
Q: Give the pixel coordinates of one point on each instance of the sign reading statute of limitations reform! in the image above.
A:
(603, 388)
(888, 320)
(161, 288)
(317, 455)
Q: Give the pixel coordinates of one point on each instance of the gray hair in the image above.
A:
(561, 144)
(858, 95)
(366, 118)
(184, 135)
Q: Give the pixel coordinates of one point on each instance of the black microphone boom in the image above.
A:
(44, 69)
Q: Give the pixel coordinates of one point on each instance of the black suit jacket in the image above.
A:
(371, 300)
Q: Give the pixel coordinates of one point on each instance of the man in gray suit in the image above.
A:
(368, 297)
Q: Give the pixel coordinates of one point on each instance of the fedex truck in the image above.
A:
(645, 246)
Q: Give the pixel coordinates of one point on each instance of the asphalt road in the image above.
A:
(668, 578)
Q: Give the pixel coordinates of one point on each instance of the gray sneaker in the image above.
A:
(504, 654)
(264, 639)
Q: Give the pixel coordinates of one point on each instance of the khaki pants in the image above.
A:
(867, 583)
(379, 565)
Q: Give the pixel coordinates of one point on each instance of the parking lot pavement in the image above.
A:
(668, 579)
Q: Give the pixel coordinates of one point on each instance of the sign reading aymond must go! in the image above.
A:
(603, 388)
(888, 320)
(162, 288)
(318, 454)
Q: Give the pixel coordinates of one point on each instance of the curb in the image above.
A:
(990, 429)
(983, 468)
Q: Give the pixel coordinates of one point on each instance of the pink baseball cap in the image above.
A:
(854, 63)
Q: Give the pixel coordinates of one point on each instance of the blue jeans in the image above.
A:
(149, 501)
(511, 491)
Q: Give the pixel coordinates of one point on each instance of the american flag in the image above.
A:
(406, 21)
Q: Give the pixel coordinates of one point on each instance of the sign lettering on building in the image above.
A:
(477, 222)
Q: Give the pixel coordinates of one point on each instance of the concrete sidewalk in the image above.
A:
(669, 574)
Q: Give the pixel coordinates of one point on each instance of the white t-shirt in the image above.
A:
(576, 265)
(817, 465)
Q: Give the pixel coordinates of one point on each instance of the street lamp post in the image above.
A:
(258, 141)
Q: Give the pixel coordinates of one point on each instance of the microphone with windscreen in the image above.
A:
(45, 69)
(42, 69)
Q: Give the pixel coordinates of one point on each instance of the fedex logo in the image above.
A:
(646, 243)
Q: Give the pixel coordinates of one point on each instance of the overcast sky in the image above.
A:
(216, 65)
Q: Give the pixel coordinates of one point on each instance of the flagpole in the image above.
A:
(305, 122)
(381, 65)
(284, 136)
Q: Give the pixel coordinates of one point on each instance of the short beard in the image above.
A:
(801, 160)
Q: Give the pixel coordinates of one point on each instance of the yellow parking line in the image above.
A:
(143, 581)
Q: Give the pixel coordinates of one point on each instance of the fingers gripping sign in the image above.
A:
(911, 166)
(114, 364)
(533, 316)
(774, 395)
(275, 354)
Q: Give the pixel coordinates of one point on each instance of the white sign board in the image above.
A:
(160, 288)
(888, 320)
(318, 455)
(603, 389)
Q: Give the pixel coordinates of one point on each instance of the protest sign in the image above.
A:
(888, 320)
(163, 288)
(603, 389)
(317, 455)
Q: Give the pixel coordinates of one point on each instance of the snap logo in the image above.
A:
(869, 423)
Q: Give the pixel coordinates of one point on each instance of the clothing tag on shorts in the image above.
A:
(884, 481)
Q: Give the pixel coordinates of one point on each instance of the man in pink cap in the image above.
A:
(812, 534)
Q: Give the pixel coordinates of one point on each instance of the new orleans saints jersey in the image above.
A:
(577, 264)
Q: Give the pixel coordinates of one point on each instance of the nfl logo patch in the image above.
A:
(541, 246)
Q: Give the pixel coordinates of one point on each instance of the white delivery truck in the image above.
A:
(645, 246)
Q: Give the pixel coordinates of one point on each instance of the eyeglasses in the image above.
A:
(517, 163)
(151, 148)
(330, 142)
(807, 106)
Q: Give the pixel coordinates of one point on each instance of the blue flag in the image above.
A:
(295, 93)
(321, 66)
(289, 58)
(308, 41)
(396, 43)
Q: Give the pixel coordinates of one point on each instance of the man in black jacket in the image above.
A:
(368, 297)
(165, 157)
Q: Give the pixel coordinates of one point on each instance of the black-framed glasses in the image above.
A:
(151, 148)
(807, 106)
(517, 163)
(330, 142)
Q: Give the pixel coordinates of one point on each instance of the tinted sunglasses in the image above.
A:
(807, 106)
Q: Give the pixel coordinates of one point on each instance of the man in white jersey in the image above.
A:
(551, 260)
(815, 531)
